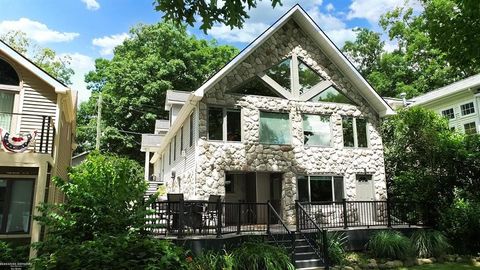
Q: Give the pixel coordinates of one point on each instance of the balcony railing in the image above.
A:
(43, 124)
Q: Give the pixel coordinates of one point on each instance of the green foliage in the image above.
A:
(230, 13)
(114, 252)
(261, 256)
(336, 247)
(154, 59)
(460, 222)
(11, 254)
(46, 58)
(390, 245)
(212, 261)
(429, 243)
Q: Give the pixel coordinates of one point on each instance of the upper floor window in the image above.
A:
(224, 124)
(6, 109)
(280, 73)
(468, 108)
(470, 128)
(448, 113)
(307, 77)
(316, 130)
(274, 128)
(331, 94)
(8, 75)
(354, 132)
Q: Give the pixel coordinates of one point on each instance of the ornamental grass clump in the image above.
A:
(261, 256)
(429, 243)
(390, 245)
(212, 261)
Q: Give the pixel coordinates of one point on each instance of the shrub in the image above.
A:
(429, 243)
(261, 256)
(10, 253)
(212, 261)
(336, 243)
(390, 245)
(114, 252)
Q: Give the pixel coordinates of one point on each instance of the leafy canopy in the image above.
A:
(231, 12)
(155, 58)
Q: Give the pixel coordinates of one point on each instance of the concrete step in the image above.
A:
(308, 263)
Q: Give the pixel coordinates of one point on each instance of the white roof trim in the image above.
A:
(448, 90)
(327, 46)
(59, 87)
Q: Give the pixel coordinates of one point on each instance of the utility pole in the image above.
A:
(99, 120)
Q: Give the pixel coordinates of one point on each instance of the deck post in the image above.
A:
(181, 216)
(268, 217)
(326, 259)
(239, 217)
(345, 218)
(219, 218)
(389, 218)
(297, 223)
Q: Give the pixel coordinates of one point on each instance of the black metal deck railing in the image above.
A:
(43, 125)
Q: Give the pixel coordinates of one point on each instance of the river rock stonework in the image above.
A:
(213, 159)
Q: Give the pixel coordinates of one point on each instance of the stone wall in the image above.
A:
(215, 158)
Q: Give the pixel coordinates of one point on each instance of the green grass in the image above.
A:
(443, 266)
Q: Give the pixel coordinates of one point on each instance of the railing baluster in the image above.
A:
(48, 133)
(219, 218)
(43, 132)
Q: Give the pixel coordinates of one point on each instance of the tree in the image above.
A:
(366, 50)
(46, 58)
(155, 59)
(230, 12)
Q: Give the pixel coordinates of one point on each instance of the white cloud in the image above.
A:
(37, 31)
(339, 36)
(245, 35)
(108, 43)
(91, 4)
(81, 64)
(373, 9)
(329, 7)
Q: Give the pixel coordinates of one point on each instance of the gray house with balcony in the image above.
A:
(287, 119)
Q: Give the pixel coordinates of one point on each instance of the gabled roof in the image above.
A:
(326, 45)
(448, 90)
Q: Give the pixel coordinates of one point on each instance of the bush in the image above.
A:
(212, 261)
(10, 253)
(114, 252)
(336, 243)
(261, 256)
(390, 245)
(429, 243)
(460, 222)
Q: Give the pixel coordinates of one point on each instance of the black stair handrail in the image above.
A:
(318, 230)
(291, 234)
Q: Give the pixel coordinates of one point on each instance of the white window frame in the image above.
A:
(472, 122)
(474, 108)
(332, 177)
(331, 131)
(355, 134)
(224, 123)
(453, 110)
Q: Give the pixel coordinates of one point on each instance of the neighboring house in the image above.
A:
(31, 101)
(459, 102)
(287, 119)
(78, 159)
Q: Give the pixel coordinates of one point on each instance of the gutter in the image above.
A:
(184, 113)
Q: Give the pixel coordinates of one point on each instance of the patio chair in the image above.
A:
(210, 215)
(174, 204)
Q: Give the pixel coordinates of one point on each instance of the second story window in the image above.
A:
(355, 132)
(6, 108)
(448, 113)
(316, 130)
(274, 128)
(468, 108)
(224, 124)
(470, 128)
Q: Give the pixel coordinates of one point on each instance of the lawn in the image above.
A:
(443, 266)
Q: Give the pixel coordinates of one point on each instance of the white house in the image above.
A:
(287, 119)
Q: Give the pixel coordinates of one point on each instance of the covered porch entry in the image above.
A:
(253, 190)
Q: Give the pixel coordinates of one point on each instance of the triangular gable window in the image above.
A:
(8, 75)
(307, 77)
(331, 94)
(254, 86)
(280, 73)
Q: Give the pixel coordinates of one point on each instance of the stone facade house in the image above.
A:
(287, 119)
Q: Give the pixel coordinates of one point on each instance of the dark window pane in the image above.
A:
(347, 125)
(449, 113)
(6, 106)
(308, 78)
(174, 148)
(3, 202)
(362, 133)
(281, 73)
(316, 130)
(254, 86)
(470, 128)
(468, 108)
(338, 188)
(191, 129)
(20, 207)
(181, 139)
(234, 126)
(274, 128)
(332, 95)
(321, 188)
(7, 74)
(229, 183)
(303, 189)
(215, 123)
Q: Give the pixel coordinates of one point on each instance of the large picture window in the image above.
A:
(274, 128)
(320, 188)
(224, 124)
(316, 130)
(355, 132)
(16, 196)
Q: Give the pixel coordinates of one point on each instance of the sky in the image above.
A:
(90, 29)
